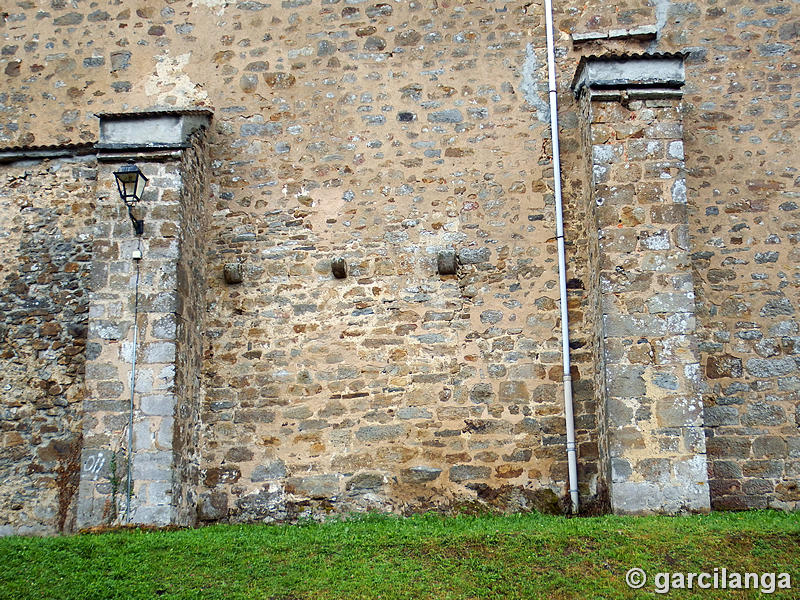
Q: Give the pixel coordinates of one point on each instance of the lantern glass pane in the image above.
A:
(141, 182)
(120, 187)
(130, 188)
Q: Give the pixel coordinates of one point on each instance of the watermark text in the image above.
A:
(717, 579)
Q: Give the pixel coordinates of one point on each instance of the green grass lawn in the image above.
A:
(522, 556)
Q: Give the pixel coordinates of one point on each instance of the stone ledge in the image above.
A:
(38, 153)
(643, 32)
(151, 129)
(633, 73)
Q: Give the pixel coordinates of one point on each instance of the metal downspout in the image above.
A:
(572, 460)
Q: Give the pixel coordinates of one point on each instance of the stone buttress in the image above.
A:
(170, 149)
(651, 407)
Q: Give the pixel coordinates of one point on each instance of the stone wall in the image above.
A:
(739, 117)
(191, 289)
(47, 214)
(385, 142)
(384, 133)
(741, 126)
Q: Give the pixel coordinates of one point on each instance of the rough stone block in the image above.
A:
(233, 273)
(254, 415)
(222, 475)
(669, 214)
(625, 381)
(513, 392)
(671, 302)
(421, 474)
(275, 469)
(769, 447)
(461, 473)
(621, 470)
(158, 404)
(369, 481)
(618, 412)
(679, 412)
(762, 468)
(617, 240)
(239, 454)
(620, 325)
(728, 447)
(159, 492)
(378, 433)
(621, 194)
(723, 365)
(714, 416)
(473, 256)
(152, 466)
(142, 435)
(623, 440)
(605, 154)
(446, 116)
(664, 378)
(161, 514)
(314, 486)
(481, 393)
(659, 240)
(158, 352)
(757, 486)
(413, 412)
(634, 497)
(760, 414)
(266, 505)
(645, 149)
(446, 262)
(739, 502)
(212, 506)
(726, 469)
(777, 307)
(655, 470)
(770, 367)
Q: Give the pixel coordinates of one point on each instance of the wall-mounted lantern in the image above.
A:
(131, 183)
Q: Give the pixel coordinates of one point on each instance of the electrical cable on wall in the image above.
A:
(136, 258)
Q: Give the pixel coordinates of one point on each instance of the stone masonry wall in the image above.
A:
(47, 211)
(104, 492)
(191, 288)
(741, 124)
(385, 132)
(593, 309)
(395, 387)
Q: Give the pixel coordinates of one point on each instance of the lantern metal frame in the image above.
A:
(130, 185)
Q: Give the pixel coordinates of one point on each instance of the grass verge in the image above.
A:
(520, 556)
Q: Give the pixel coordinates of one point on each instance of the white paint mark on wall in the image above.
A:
(530, 77)
(94, 464)
(171, 85)
(662, 9)
(220, 4)
(679, 191)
